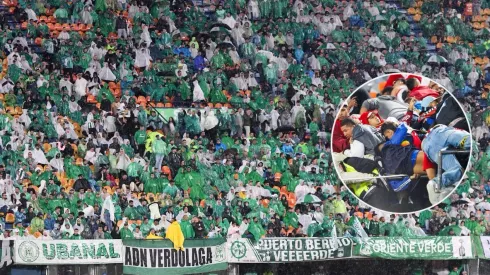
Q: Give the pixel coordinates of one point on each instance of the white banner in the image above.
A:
(485, 243)
(58, 252)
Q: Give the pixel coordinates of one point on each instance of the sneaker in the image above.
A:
(431, 189)
(436, 195)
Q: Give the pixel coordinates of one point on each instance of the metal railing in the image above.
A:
(439, 167)
(158, 113)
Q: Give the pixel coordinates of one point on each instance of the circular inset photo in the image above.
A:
(401, 143)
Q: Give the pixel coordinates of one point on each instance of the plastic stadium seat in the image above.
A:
(18, 110)
(141, 100)
(112, 85)
(10, 218)
(46, 147)
(166, 170)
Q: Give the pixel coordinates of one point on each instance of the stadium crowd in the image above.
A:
(86, 154)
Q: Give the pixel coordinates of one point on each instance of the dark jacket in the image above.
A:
(448, 111)
(367, 136)
(121, 23)
(81, 184)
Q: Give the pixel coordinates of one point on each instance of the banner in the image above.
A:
(6, 255)
(280, 250)
(159, 257)
(58, 252)
(426, 248)
(485, 247)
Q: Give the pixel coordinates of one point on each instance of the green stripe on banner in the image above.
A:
(175, 271)
(149, 257)
(477, 246)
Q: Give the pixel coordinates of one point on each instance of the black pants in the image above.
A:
(141, 149)
(211, 134)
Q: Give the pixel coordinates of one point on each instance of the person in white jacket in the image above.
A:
(233, 231)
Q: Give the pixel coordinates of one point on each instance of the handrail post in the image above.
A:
(443, 152)
(159, 115)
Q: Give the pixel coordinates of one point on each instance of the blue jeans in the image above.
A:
(437, 140)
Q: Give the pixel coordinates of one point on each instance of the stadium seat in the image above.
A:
(46, 147)
(141, 100)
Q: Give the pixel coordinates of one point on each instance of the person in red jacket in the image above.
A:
(339, 142)
(418, 91)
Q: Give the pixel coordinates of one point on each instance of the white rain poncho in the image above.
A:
(145, 36)
(239, 82)
(31, 15)
(133, 10)
(64, 35)
(230, 21)
(251, 81)
(97, 54)
(197, 94)
(235, 57)
(123, 72)
(109, 206)
(473, 77)
(274, 119)
(348, 12)
(24, 64)
(106, 74)
(67, 228)
(143, 58)
(237, 35)
(88, 211)
(210, 121)
(37, 154)
(80, 87)
(41, 81)
(253, 9)
(91, 156)
(66, 83)
(154, 211)
(314, 63)
(57, 163)
(123, 161)
(80, 226)
(86, 17)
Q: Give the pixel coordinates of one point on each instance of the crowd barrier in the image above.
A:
(212, 255)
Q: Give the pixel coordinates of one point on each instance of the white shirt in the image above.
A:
(356, 149)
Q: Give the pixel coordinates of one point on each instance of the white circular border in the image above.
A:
(468, 166)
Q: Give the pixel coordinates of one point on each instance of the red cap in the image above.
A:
(365, 116)
(415, 76)
(392, 79)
